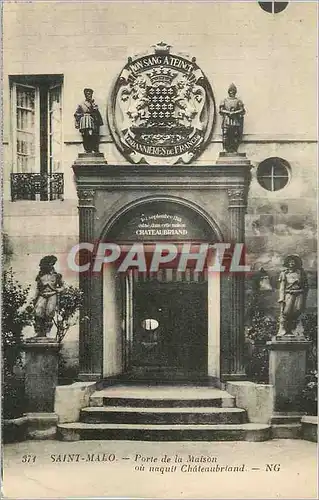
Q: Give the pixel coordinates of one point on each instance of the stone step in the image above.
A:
(286, 418)
(286, 431)
(309, 428)
(286, 425)
(178, 432)
(158, 415)
(162, 397)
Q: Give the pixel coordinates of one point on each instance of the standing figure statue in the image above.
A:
(292, 295)
(88, 120)
(232, 111)
(49, 285)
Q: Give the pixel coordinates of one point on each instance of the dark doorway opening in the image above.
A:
(169, 335)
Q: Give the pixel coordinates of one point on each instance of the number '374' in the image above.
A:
(28, 459)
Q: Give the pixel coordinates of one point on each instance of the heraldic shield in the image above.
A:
(162, 109)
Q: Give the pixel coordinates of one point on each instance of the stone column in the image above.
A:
(287, 371)
(89, 368)
(236, 341)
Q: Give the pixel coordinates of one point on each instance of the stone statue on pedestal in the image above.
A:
(88, 120)
(292, 296)
(232, 111)
(49, 285)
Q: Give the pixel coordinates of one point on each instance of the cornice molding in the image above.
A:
(216, 139)
(110, 177)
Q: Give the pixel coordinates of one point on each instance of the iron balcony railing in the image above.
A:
(38, 187)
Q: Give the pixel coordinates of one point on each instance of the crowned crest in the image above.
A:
(161, 48)
(162, 108)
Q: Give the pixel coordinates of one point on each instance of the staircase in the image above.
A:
(163, 413)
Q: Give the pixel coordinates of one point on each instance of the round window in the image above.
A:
(273, 174)
(273, 7)
(150, 324)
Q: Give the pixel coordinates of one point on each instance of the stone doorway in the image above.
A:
(161, 326)
(208, 203)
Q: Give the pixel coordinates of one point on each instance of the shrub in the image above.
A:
(69, 303)
(310, 324)
(16, 314)
(261, 329)
(309, 395)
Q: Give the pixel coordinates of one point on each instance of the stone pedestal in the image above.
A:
(287, 371)
(41, 374)
(225, 158)
(90, 159)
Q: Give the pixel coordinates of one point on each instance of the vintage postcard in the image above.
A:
(159, 261)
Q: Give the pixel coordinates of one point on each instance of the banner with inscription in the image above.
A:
(160, 221)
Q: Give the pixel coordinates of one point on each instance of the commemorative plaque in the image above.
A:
(162, 108)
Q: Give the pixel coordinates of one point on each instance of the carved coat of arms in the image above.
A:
(162, 109)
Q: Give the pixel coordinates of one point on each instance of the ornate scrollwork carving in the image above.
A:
(86, 197)
(237, 197)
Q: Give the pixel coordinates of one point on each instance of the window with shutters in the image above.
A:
(36, 126)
